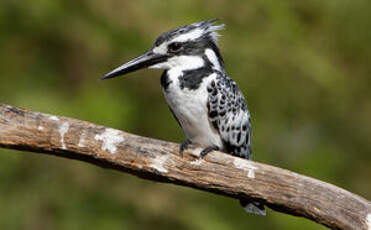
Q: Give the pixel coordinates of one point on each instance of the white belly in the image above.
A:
(190, 108)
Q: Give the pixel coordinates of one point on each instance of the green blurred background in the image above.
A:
(304, 67)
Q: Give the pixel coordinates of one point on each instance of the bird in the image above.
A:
(208, 105)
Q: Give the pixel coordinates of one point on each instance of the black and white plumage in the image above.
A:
(229, 115)
(207, 104)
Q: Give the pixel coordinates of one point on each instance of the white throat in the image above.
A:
(181, 63)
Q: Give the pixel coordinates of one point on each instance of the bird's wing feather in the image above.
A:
(229, 115)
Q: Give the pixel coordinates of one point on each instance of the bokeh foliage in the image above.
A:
(304, 67)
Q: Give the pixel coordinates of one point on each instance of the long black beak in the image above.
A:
(147, 59)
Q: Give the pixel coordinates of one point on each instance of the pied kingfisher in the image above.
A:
(207, 104)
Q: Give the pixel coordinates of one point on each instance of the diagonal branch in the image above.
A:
(277, 188)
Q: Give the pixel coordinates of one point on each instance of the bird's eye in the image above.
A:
(175, 46)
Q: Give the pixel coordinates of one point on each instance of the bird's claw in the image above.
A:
(206, 150)
(184, 146)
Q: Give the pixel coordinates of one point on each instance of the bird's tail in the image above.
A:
(253, 207)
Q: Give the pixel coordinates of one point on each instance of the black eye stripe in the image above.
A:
(175, 46)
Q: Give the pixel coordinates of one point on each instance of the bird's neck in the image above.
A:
(214, 58)
(189, 71)
(189, 79)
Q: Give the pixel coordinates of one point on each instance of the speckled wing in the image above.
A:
(229, 115)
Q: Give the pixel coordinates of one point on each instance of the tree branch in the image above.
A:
(220, 173)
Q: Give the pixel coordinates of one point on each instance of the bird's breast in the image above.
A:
(190, 108)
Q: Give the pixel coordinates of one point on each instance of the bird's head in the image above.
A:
(189, 47)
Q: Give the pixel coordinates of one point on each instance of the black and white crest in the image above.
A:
(192, 32)
(190, 40)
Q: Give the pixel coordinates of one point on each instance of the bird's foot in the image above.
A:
(184, 146)
(206, 150)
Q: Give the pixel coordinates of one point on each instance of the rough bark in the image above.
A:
(277, 188)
